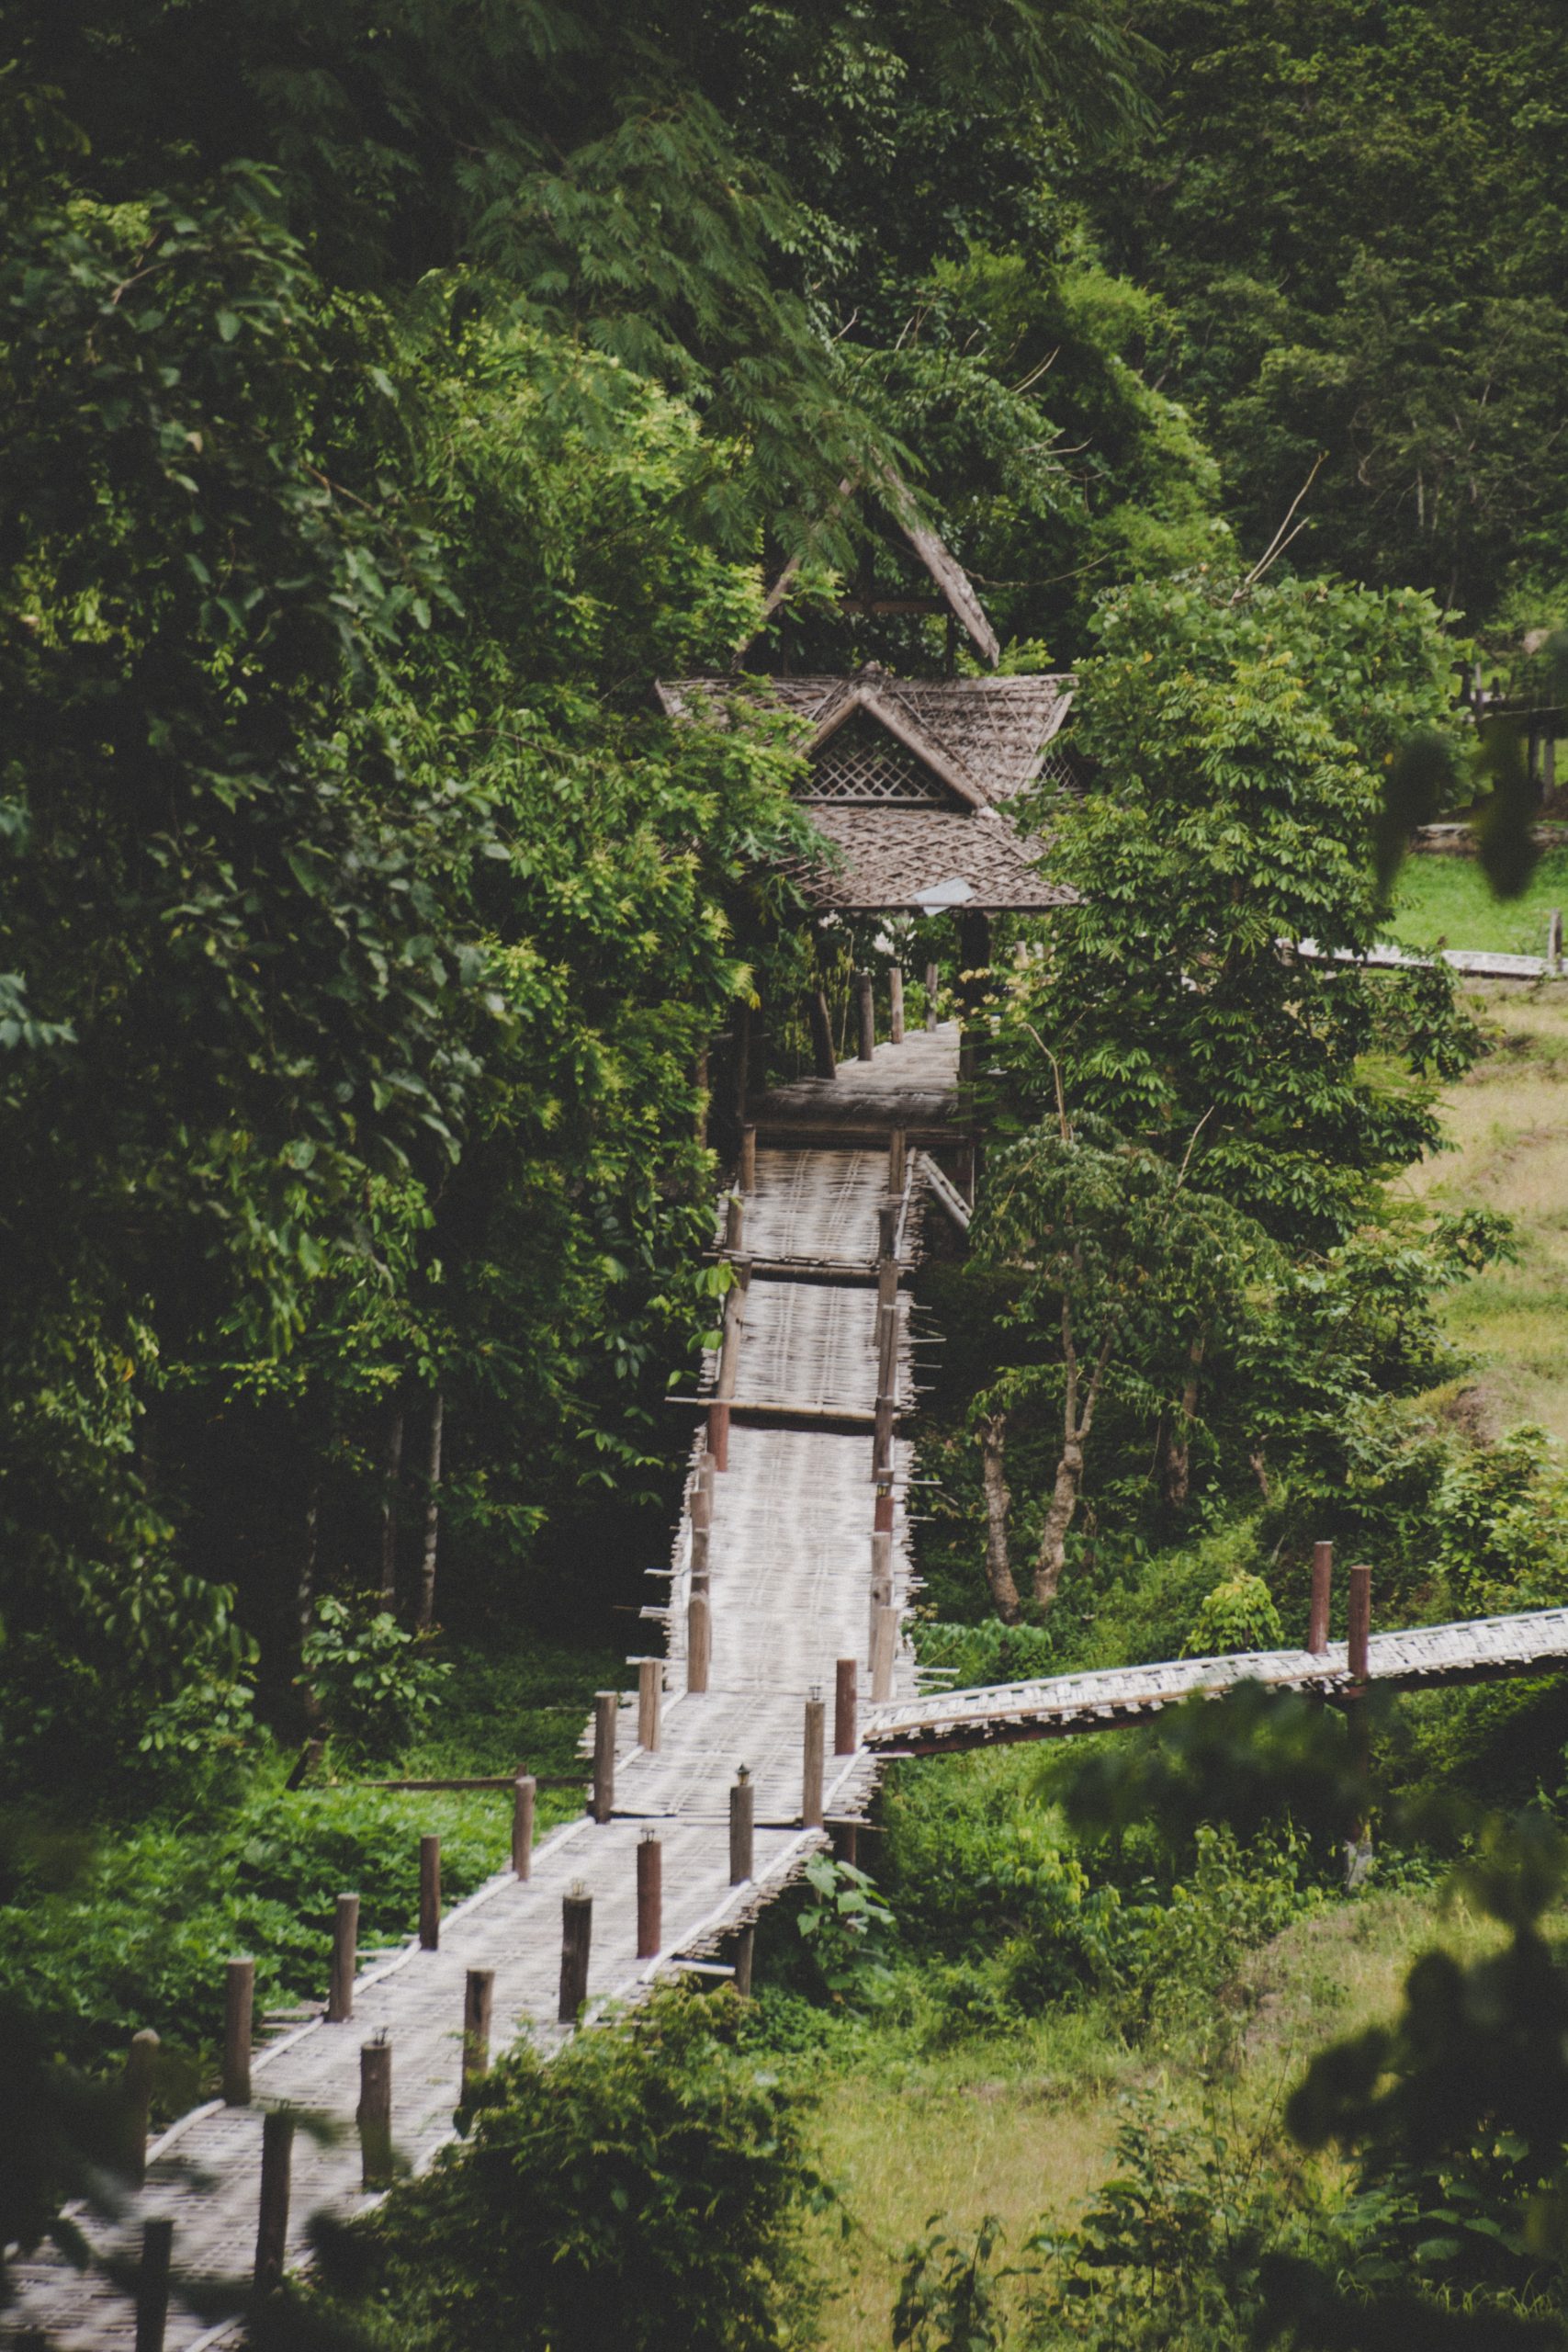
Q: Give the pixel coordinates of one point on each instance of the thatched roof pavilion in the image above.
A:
(910, 779)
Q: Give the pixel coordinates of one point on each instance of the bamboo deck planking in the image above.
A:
(790, 1584)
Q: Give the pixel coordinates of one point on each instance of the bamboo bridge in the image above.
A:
(789, 1571)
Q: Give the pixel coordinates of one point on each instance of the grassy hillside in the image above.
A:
(1507, 1119)
(1446, 900)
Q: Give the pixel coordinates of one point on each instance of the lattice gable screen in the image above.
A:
(862, 762)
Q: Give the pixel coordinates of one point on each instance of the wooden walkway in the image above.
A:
(1478, 1649)
(790, 1556)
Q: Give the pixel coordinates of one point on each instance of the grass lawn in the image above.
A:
(1507, 1119)
(1446, 900)
(1021, 2126)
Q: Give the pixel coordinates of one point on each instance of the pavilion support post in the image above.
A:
(824, 1062)
(272, 2215)
(846, 1691)
(896, 1004)
(345, 1960)
(606, 1707)
(933, 987)
(524, 1790)
(239, 2010)
(576, 1944)
(430, 1893)
(153, 2284)
(811, 1775)
(865, 1015)
(742, 1814)
(649, 1895)
(374, 2114)
(649, 1697)
(1322, 1581)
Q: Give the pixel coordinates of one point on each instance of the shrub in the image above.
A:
(376, 1684)
(1239, 1614)
(643, 2190)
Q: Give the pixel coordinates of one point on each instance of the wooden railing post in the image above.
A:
(745, 1949)
(1361, 1624)
(479, 1990)
(897, 1161)
(748, 1170)
(523, 1791)
(865, 1015)
(811, 1771)
(649, 1696)
(883, 1518)
(888, 1226)
(1322, 1581)
(152, 2285)
(141, 2066)
(882, 1438)
(896, 1004)
(742, 1806)
(345, 1960)
(882, 1648)
(374, 2113)
(846, 1692)
(734, 1221)
(272, 2216)
(881, 1579)
(430, 1893)
(699, 1638)
(576, 1942)
(606, 1706)
(239, 2009)
(649, 1895)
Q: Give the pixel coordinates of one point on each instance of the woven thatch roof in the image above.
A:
(909, 779)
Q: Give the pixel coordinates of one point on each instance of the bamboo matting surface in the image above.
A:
(790, 1555)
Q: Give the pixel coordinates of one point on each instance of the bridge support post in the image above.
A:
(152, 2285)
(699, 1639)
(747, 1172)
(745, 1949)
(576, 1942)
(649, 1895)
(1359, 1850)
(606, 1707)
(345, 1960)
(238, 2008)
(430, 1893)
(374, 2114)
(523, 1789)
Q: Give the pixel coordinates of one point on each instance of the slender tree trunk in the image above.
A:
(1176, 1474)
(389, 1507)
(999, 1568)
(425, 1612)
(1052, 1556)
(305, 1599)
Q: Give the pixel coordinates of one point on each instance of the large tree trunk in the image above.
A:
(305, 1600)
(999, 1568)
(389, 1507)
(1052, 1556)
(1175, 1473)
(425, 1612)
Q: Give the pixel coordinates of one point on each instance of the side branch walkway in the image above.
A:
(816, 1367)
